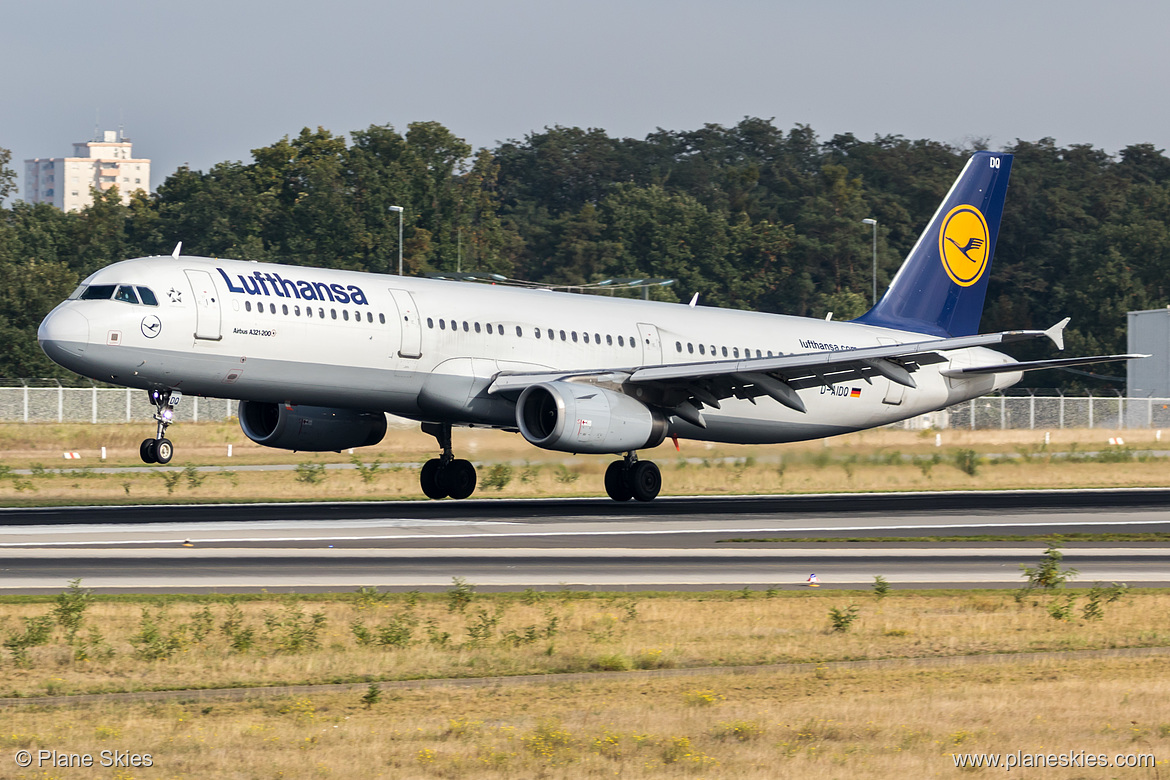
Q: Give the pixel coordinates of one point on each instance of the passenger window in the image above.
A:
(574, 337)
(489, 328)
(769, 353)
(550, 334)
(702, 350)
(345, 314)
(147, 296)
(381, 318)
(538, 332)
(621, 343)
(633, 341)
(98, 292)
(563, 336)
(585, 336)
(284, 308)
(596, 338)
(247, 306)
(320, 313)
(297, 310)
(477, 327)
(272, 308)
(678, 346)
(465, 328)
(309, 312)
(369, 316)
(735, 351)
(518, 331)
(609, 339)
(430, 323)
(690, 348)
(724, 350)
(126, 293)
(333, 313)
(357, 316)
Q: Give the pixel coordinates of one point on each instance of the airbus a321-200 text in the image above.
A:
(317, 356)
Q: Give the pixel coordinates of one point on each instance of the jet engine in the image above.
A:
(310, 428)
(573, 417)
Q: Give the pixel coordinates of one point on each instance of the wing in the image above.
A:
(682, 389)
(1036, 365)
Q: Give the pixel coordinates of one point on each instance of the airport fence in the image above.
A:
(38, 402)
(1040, 412)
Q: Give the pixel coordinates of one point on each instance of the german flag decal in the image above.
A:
(855, 392)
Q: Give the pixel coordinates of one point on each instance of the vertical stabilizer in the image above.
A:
(941, 286)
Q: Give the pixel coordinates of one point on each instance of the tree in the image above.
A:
(7, 175)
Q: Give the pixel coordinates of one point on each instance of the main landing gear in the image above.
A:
(159, 449)
(632, 478)
(446, 475)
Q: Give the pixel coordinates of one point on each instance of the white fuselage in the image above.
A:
(427, 349)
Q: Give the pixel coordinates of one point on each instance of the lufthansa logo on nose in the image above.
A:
(151, 326)
(962, 245)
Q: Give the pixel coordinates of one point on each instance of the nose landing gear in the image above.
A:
(446, 475)
(159, 449)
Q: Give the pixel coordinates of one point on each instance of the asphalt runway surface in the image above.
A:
(671, 543)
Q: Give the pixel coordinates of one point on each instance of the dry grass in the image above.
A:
(879, 460)
(833, 724)
(537, 633)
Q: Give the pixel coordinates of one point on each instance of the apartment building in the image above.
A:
(68, 182)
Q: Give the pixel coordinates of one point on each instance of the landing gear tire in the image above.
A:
(460, 478)
(645, 480)
(159, 449)
(446, 476)
(431, 479)
(616, 484)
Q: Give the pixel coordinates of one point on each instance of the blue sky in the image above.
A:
(208, 81)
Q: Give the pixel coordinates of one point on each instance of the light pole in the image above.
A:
(399, 210)
(874, 223)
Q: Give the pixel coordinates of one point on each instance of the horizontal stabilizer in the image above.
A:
(1036, 365)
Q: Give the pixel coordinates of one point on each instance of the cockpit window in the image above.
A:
(98, 292)
(126, 293)
(147, 296)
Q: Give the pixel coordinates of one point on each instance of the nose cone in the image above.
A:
(64, 335)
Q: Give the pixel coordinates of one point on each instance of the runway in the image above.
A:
(514, 544)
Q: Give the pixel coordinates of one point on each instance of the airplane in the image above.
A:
(316, 356)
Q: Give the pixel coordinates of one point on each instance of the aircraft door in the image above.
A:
(207, 315)
(409, 324)
(651, 344)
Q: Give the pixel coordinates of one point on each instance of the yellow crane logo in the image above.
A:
(962, 244)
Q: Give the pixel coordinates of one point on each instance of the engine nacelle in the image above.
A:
(572, 417)
(310, 428)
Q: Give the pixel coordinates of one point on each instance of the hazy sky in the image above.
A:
(206, 81)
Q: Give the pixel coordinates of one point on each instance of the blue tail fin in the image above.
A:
(941, 286)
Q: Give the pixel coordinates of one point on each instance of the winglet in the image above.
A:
(694, 300)
(1056, 333)
(178, 247)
